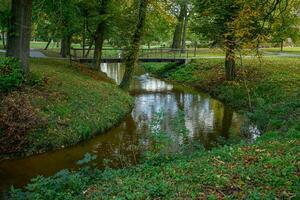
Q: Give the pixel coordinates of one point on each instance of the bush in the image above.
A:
(10, 74)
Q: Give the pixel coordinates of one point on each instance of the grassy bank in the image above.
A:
(267, 92)
(60, 106)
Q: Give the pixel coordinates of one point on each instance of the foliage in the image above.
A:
(4, 14)
(10, 74)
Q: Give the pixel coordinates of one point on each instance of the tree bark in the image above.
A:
(90, 48)
(185, 24)
(281, 45)
(3, 39)
(177, 37)
(49, 42)
(65, 46)
(99, 40)
(19, 32)
(230, 71)
(99, 35)
(131, 57)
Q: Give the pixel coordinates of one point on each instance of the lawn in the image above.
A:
(289, 50)
(61, 106)
(267, 92)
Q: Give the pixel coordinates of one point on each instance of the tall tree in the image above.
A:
(236, 24)
(100, 31)
(131, 57)
(213, 18)
(19, 32)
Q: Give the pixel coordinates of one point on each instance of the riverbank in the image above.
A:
(267, 169)
(267, 91)
(61, 106)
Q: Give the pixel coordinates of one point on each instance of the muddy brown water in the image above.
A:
(205, 118)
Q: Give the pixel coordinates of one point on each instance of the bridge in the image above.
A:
(112, 55)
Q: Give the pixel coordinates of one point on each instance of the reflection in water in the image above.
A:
(205, 119)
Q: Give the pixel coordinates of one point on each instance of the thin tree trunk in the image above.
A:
(83, 37)
(185, 24)
(230, 72)
(49, 42)
(19, 33)
(65, 46)
(281, 45)
(89, 49)
(3, 39)
(131, 57)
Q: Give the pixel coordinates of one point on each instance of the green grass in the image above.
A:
(267, 169)
(289, 50)
(73, 105)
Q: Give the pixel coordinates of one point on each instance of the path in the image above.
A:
(34, 53)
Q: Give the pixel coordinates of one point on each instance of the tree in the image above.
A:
(287, 23)
(131, 57)
(19, 32)
(236, 24)
(57, 19)
(5, 10)
(159, 23)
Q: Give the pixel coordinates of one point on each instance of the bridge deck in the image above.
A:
(145, 60)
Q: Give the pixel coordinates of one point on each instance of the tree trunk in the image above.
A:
(84, 36)
(177, 37)
(65, 46)
(99, 35)
(131, 57)
(19, 32)
(3, 39)
(281, 45)
(49, 42)
(99, 39)
(230, 72)
(89, 49)
(185, 24)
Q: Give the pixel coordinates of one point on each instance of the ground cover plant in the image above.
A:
(266, 169)
(58, 107)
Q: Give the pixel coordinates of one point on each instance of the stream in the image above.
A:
(205, 118)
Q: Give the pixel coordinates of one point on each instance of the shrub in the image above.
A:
(10, 74)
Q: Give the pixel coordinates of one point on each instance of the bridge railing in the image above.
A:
(150, 53)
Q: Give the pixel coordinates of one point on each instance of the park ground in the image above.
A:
(266, 90)
(58, 106)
